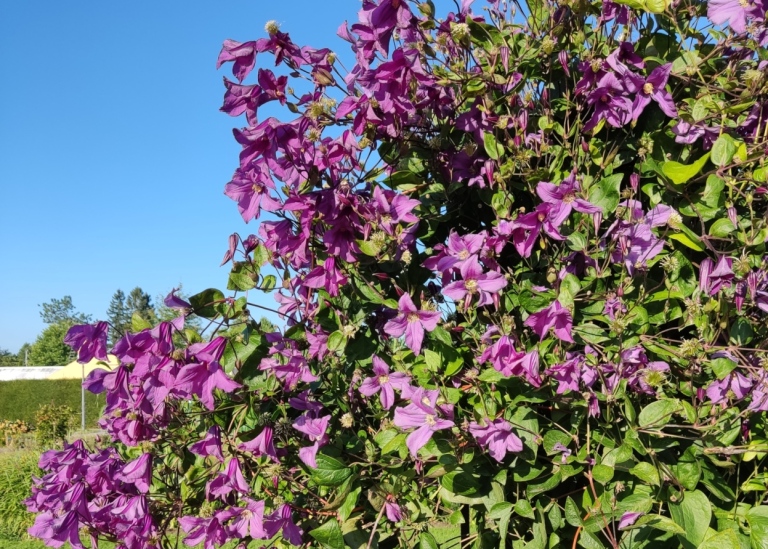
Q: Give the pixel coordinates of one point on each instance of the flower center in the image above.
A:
(256, 188)
(470, 285)
(386, 219)
(648, 88)
(541, 217)
(604, 98)
(569, 197)
(463, 254)
(430, 420)
(744, 3)
(413, 317)
(383, 379)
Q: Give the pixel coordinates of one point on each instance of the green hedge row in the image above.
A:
(20, 399)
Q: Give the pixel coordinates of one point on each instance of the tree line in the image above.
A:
(124, 312)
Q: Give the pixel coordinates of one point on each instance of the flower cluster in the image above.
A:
(520, 257)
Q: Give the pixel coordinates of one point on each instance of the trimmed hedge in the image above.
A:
(21, 398)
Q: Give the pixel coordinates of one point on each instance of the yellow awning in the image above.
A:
(74, 370)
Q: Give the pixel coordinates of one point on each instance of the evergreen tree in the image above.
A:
(139, 302)
(119, 316)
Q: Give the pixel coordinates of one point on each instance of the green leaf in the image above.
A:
(368, 247)
(330, 471)
(572, 513)
(138, 323)
(492, 147)
(336, 341)
(427, 541)
(723, 150)
(727, 539)
(757, 517)
(349, 503)
(602, 473)
(722, 228)
(658, 414)
(659, 523)
(605, 193)
(433, 360)
(693, 514)
(329, 535)
(501, 512)
(647, 473)
(576, 241)
(524, 509)
(203, 303)
(679, 173)
(721, 367)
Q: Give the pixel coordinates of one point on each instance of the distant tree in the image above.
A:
(7, 358)
(267, 326)
(119, 316)
(23, 354)
(62, 310)
(49, 348)
(139, 302)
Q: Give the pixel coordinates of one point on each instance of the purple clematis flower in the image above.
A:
(711, 280)
(610, 102)
(208, 530)
(526, 228)
(422, 412)
(250, 189)
(249, 521)
(497, 436)
(734, 385)
(262, 445)
(314, 429)
(411, 322)
(735, 12)
(281, 520)
(628, 519)
(475, 282)
(203, 373)
(172, 301)
(90, 341)
(653, 87)
(230, 480)
(555, 316)
(137, 472)
(210, 445)
(384, 382)
(393, 511)
(563, 199)
(326, 276)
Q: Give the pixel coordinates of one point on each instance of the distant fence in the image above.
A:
(21, 398)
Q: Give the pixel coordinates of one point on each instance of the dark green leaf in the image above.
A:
(329, 535)
(330, 471)
(203, 304)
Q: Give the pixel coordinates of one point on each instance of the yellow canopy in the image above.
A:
(74, 370)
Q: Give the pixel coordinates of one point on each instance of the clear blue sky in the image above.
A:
(113, 153)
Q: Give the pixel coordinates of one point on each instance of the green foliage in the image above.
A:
(58, 311)
(20, 399)
(16, 472)
(52, 424)
(49, 348)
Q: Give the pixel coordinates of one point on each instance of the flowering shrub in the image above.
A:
(520, 252)
(53, 423)
(11, 429)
